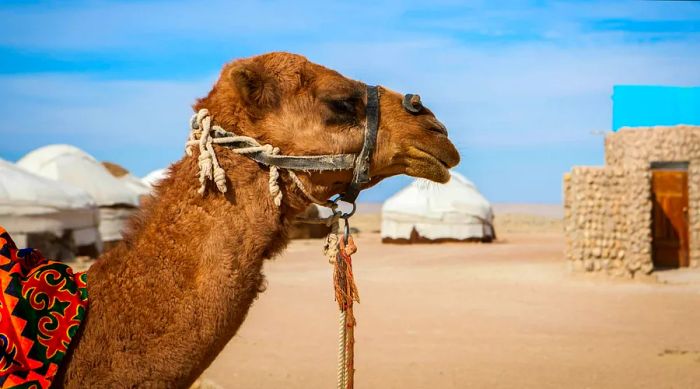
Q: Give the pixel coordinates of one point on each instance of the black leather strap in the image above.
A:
(301, 162)
(312, 163)
(361, 173)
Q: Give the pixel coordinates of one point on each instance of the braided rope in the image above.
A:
(349, 349)
(306, 193)
(342, 338)
(209, 168)
(331, 245)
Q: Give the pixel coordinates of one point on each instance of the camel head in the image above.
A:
(306, 109)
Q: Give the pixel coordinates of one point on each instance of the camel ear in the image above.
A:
(258, 89)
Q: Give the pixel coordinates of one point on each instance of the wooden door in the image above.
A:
(670, 218)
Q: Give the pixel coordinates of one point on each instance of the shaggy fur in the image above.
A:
(165, 301)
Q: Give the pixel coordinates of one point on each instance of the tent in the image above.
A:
(135, 184)
(71, 165)
(55, 217)
(132, 182)
(428, 212)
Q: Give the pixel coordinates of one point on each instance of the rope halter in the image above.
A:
(204, 134)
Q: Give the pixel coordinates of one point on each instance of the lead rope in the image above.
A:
(346, 295)
(338, 251)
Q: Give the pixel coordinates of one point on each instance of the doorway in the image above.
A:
(669, 187)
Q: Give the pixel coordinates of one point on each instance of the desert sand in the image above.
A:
(502, 315)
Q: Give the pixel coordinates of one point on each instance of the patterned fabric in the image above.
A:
(41, 307)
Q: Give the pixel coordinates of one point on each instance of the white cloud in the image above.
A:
(115, 120)
(100, 25)
(501, 76)
(525, 94)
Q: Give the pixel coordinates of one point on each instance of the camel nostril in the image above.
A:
(439, 128)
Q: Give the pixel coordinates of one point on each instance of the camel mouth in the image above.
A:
(432, 166)
(442, 150)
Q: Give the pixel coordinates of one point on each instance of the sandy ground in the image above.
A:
(502, 315)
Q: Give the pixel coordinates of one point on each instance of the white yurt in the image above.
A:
(129, 180)
(429, 212)
(154, 177)
(55, 217)
(74, 166)
(135, 184)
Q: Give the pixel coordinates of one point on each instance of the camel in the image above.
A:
(167, 299)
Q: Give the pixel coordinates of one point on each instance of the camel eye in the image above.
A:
(346, 107)
(342, 109)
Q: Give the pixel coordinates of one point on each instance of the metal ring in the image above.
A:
(345, 215)
(346, 231)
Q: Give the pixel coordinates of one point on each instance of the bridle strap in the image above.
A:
(269, 156)
(360, 175)
(297, 162)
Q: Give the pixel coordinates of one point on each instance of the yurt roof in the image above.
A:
(135, 184)
(153, 177)
(433, 201)
(25, 193)
(122, 174)
(115, 169)
(72, 165)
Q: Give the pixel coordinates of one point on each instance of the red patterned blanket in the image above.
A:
(41, 306)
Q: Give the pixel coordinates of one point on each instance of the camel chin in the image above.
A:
(431, 161)
(430, 170)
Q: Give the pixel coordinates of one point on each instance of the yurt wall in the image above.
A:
(71, 165)
(59, 219)
(422, 213)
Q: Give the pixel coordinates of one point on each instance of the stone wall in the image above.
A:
(600, 234)
(639, 146)
(608, 209)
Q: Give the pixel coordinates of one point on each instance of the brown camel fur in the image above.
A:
(166, 300)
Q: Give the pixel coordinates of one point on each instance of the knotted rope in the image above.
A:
(201, 130)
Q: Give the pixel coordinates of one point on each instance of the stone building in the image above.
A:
(641, 211)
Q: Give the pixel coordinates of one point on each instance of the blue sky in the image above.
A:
(522, 86)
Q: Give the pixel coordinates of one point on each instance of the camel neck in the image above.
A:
(243, 222)
(189, 269)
